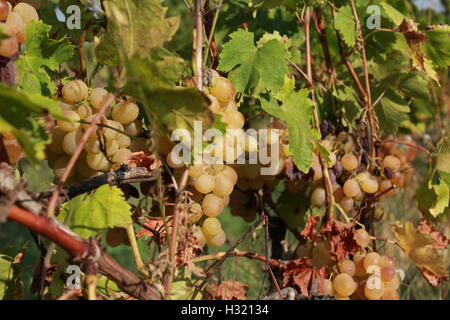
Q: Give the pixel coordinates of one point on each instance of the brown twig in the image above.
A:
(406, 144)
(54, 198)
(199, 44)
(249, 255)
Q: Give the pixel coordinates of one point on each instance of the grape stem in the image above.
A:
(236, 253)
(406, 144)
(328, 186)
(73, 159)
(383, 239)
(199, 44)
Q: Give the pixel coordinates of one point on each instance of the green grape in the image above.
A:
(74, 91)
(218, 240)
(97, 161)
(204, 183)
(134, 128)
(69, 125)
(121, 156)
(98, 97)
(211, 227)
(125, 112)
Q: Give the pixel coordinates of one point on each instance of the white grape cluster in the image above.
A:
(13, 23)
(109, 143)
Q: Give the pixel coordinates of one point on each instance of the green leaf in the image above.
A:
(42, 55)
(135, 28)
(89, 214)
(18, 117)
(437, 47)
(254, 68)
(10, 283)
(396, 16)
(346, 25)
(392, 111)
(297, 112)
(415, 84)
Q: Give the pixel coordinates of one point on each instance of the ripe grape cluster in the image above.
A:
(13, 23)
(108, 145)
(368, 276)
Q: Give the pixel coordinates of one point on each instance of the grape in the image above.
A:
(327, 287)
(387, 274)
(348, 267)
(89, 120)
(60, 166)
(392, 162)
(318, 197)
(15, 22)
(394, 284)
(195, 212)
(57, 140)
(198, 235)
(347, 204)
(74, 91)
(121, 156)
(124, 141)
(134, 128)
(374, 288)
(251, 144)
(70, 141)
(230, 173)
(390, 294)
(115, 236)
(212, 205)
(358, 259)
(174, 160)
(351, 188)
(362, 238)
(369, 185)
(222, 89)
(359, 195)
(349, 161)
(125, 112)
(223, 185)
(84, 112)
(338, 193)
(218, 240)
(386, 261)
(111, 134)
(385, 185)
(92, 146)
(84, 169)
(26, 12)
(195, 171)
(398, 179)
(97, 161)
(98, 97)
(256, 184)
(4, 10)
(344, 284)
(69, 126)
(13, 149)
(211, 227)
(316, 166)
(204, 183)
(371, 259)
(9, 46)
(112, 146)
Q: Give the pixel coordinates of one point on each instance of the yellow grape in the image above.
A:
(195, 171)
(387, 274)
(212, 205)
(351, 188)
(92, 146)
(134, 128)
(84, 112)
(348, 267)
(211, 227)
(112, 146)
(369, 185)
(218, 240)
(374, 288)
(318, 197)
(358, 259)
(110, 133)
(385, 185)
(174, 160)
(338, 193)
(371, 259)
(215, 105)
(121, 156)
(344, 284)
(125, 112)
(251, 144)
(394, 284)
(35, 3)
(349, 162)
(390, 294)
(234, 120)
(223, 185)
(9, 46)
(57, 140)
(347, 204)
(230, 173)
(98, 97)
(26, 12)
(392, 162)
(84, 169)
(15, 22)
(74, 91)
(199, 236)
(387, 262)
(362, 237)
(222, 89)
(97, 161)
(73, 124)
(70, 141)
(204, 183)
(4, 9)
(123, 140)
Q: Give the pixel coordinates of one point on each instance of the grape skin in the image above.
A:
(125, 112)
(9, 46)
(69, 126)
(211, 227)
(218, 240)
(362, 238)
(26, 12)
(75, 91)
(212, 205)
(15, 22)
(344, 284)
(205, 183)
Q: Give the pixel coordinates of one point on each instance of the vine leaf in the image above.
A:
(18, 119)
(433, 195)
(422, 246)
(438, 45)
(346, 25)
(11, 287)
(89, 214)
(42, 55)
(392, 111)
(393, 14)
(254, 68)
(135, 28)
(297, 112)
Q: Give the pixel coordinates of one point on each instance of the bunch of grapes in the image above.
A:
(108, 145)
(13, 23)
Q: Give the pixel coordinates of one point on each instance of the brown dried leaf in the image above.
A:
(342, 239)
(441, 241)
(154, 227)
(423, 246)
(309, 230)
(301, 274)
(228, 290)
(143, 159)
